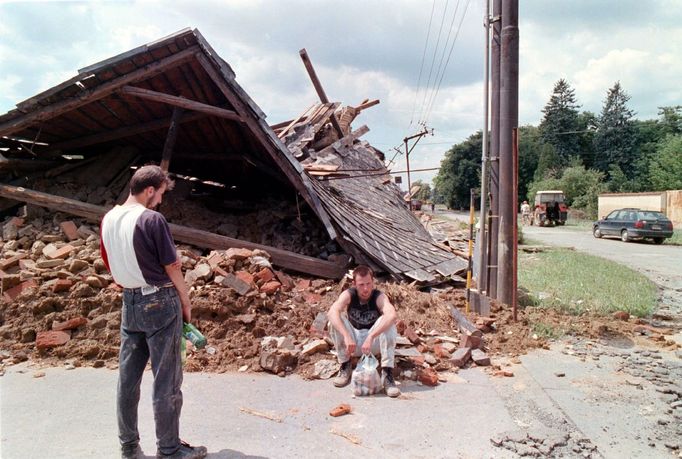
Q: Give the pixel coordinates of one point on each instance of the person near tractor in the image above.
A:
(525, 212)
(138, 249)
(363, 321)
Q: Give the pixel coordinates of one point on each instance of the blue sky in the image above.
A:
(369, 49)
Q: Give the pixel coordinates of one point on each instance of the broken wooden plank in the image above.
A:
(347, 140)
(465, 326)
(318, 87)
(199, 238)
(180, 102)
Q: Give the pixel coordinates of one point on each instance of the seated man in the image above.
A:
(362, 321)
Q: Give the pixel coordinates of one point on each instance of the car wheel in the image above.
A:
(624, 236)
(659, 240)
(596, 232)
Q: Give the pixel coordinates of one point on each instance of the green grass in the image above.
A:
(577, 283)
(676, 239)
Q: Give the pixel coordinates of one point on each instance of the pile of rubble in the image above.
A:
(61, 305)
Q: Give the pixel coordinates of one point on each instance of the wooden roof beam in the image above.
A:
(318, 87)
(180, 102)
(98, 92)
(126, 131)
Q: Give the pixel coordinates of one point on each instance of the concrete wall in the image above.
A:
(668, 202)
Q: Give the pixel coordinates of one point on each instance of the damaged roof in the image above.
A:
(137, 98)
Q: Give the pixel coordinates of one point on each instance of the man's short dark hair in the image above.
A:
(362, 270)
(147, 176)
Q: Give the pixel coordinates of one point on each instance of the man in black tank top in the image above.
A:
(363, 320)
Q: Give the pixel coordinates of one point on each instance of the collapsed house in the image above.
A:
(176, 103)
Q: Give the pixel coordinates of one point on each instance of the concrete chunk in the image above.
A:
(480, 358)
(461, 356)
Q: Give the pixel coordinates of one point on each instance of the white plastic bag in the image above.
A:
(365, 378)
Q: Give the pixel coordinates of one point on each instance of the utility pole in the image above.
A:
(408, 150)
(482, 236)
(494, 150)
(509, 116)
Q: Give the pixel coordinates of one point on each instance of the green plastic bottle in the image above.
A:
(191, 333)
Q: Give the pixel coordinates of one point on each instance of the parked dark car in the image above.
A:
(630, 224)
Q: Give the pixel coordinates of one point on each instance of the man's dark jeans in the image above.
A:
(151, 328)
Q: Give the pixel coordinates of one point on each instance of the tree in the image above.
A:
(581, 188)
(616, 137)
(548, 163)
(665, 168)
(424, 193)
(560, 125)
(671, 119)
(530, 146)
(460, 170)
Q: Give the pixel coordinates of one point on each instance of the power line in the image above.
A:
(459, 28)
(421, 68)
(433, 60)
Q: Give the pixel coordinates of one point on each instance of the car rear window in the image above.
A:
(651, 215)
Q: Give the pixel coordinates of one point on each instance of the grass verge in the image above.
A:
(578, 283)
(676, 239)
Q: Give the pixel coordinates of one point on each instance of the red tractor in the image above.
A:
(549, 209)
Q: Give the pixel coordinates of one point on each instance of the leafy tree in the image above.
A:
(665, 169)
(587, 126)
(424, 193)
(618, 182)
(581, 187)
(671, 119)
(460, 170)
(616, 137)
(560, 125)
(529, 155)
(548, 163)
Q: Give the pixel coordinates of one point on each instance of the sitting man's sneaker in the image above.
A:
(389, 383)
(131, 451)
(343, 377)
(185, 452)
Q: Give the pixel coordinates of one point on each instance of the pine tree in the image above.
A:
(616, 139)
(560, 125)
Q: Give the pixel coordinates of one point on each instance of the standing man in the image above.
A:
(525, 213)
(362, 321)
(138, 249)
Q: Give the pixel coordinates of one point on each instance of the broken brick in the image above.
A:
(621, 315)
(61, 285)
(69, 324)
(270, 287)
(286, 281)
(480, 358)
(303, 284)
(61, 253)
(440, 352)
(471, 341)
(9, 262)
(400, 326)
(412, 336)
(504, 373)
(277, 360)
(14, 292)
(319, 345)
(340, 410)
(70, 230)
(318, 325)
(214, 259)
(264, 276)
(245, 276)
(461, 356)
(428, 376)
(50, 339)
(312, 298)
(233, 282)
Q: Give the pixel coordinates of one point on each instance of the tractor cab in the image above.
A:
(550, 208)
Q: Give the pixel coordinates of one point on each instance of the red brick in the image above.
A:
(245, 276)
(400, 326)
(264, 275)
(318, 325)
(62, 285)
(70, 230)
(69, 324)
(218, 271)
(461, 356)
(412, 336)
(50, 339)
(12, 293)
(2, 273)
(27, 263)
(428, 376)
(9, 262)
(312, 298)
(270, 287)
(286, 281)
(17, 221)
(505, 373)
(62, 252)
(621, 315)
(418, 360)
(440, 352)
(302, 284)
(473, 342)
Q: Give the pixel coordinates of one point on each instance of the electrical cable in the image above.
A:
(421, 68)
(433, 60)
